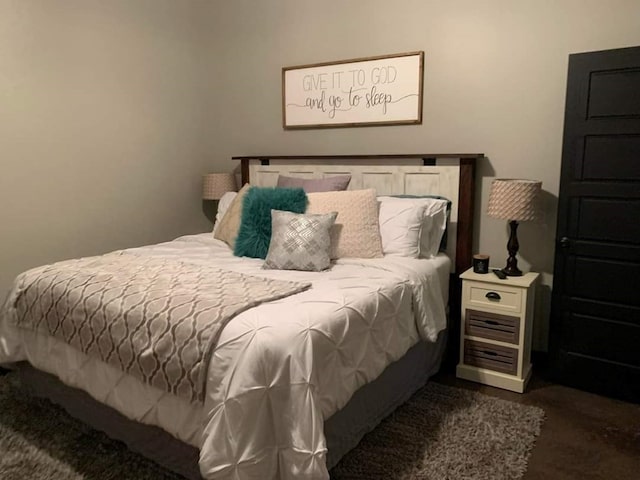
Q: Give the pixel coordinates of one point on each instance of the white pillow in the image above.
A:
(433, 227)
(400, 226)
(431, 230)
(223, 206)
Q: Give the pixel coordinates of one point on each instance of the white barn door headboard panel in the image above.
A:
(448, 175)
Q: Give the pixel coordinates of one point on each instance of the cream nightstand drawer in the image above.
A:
(482, 295)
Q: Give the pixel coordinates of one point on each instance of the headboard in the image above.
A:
(449, 175)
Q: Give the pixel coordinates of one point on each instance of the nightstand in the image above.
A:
(495, 331)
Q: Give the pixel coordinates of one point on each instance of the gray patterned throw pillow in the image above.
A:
(299, 241)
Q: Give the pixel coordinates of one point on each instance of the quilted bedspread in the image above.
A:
(278, 370)
(157, 319)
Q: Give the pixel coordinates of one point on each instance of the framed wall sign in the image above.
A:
(384, 90)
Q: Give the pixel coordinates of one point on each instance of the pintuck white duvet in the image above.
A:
(279, 370)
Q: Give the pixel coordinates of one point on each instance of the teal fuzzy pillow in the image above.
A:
(254, 234)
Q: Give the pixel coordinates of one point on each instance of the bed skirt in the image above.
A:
(366, 409)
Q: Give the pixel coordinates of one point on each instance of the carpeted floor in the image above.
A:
(441, 433)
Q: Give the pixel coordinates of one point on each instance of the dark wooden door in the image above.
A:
(595, 311)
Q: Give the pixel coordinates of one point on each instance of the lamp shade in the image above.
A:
(514, 199)
(215, 185)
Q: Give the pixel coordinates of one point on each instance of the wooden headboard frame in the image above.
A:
(451, 175)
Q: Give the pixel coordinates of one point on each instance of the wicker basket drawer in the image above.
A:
(492, 357)
(492, 325)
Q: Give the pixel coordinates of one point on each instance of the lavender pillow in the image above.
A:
(310, 185)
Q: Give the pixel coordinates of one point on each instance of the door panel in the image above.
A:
(611, 311)
(595, 311)
(615, 251)
(614, 93)
(598, 375)
(601, 338)
(597, 216)
(603, 279)
(608, 157)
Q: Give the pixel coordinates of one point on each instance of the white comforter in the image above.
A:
(280, 369)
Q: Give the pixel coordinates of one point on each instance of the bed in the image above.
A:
(295, 382)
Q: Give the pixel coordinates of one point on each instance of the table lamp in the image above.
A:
(215, 185)
(514, 200)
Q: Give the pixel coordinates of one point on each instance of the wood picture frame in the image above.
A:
(382, 90)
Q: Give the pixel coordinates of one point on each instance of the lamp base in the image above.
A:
(512, 272)
(512, 247)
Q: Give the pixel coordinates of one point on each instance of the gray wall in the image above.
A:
(101, 127)
(111, 110)
(494, 82)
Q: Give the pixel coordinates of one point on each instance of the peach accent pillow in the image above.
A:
(223, 206)
(230, 223)
(356, 232)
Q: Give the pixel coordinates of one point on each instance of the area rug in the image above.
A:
(441, 433)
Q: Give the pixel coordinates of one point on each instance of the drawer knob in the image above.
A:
(491, 322)
(493, 296)
(489, 352)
